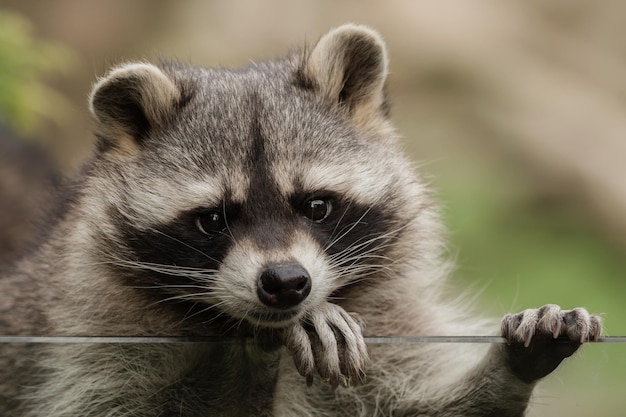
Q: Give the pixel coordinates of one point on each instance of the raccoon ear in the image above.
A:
(349, 66)
(130, 101)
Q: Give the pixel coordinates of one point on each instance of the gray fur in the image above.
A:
(241, 150)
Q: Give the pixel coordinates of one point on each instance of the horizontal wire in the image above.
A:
(372, 340)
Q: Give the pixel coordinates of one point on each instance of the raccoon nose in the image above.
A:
(283, 285)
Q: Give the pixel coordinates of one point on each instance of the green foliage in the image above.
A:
(25, 100)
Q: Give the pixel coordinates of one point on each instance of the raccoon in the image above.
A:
(270, 206)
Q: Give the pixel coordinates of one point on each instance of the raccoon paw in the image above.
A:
(538, 340)
(330, 341)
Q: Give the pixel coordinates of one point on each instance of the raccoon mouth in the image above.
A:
(272, 318)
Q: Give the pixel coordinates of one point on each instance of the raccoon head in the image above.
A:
(256, 193)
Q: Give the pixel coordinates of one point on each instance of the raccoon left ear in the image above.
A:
(130, 101)
(349, 65)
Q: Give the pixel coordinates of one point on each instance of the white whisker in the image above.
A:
(346, 232)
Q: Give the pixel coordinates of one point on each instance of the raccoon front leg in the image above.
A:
(330, 341)
(538, 340)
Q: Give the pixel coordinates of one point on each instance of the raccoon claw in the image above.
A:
(538, 340)
(330, 342)
(576, 325)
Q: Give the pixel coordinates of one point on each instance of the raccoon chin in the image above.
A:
(273, 319)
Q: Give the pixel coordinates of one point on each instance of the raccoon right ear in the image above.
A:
(349, 66)
(131, 101)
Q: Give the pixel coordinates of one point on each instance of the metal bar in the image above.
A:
(374, 340)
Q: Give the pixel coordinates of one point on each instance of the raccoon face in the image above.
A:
(258, 193)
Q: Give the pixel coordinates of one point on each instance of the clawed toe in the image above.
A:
(331, 343)
(533, 353)
(550, 321)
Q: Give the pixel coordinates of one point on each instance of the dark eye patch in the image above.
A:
(180, 243)
(350, 232)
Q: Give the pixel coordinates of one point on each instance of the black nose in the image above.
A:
(283, 285)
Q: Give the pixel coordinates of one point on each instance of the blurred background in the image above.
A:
(514, 110)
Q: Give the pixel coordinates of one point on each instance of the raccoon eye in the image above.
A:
(317, 209)
(211, 223)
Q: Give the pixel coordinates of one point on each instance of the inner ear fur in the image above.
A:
(130, 101)
(349, 66)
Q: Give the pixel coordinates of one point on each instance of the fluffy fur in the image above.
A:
(270, 202)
